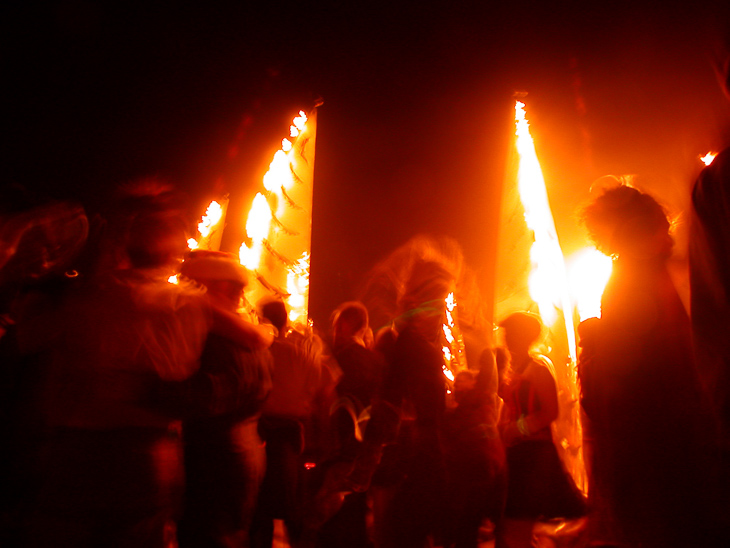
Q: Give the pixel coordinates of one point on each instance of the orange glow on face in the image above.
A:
(588, 272)
(708, 158)
(548, 279)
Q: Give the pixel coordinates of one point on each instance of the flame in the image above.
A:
(548, 279)
(208, 223)
(257, 229)
(174, 279)
(708, 158)
(588, 272)
(453, 350)
(297, 284)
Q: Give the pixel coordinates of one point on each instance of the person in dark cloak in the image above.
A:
(654, 438)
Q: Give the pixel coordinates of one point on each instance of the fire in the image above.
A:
(708, 158)
(297, 284)
(588, 272)
(210, 227)
(278, 226)
(453, 350)
(548, 280)
(549, 288)
(257, 228)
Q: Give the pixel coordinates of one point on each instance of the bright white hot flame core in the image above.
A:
(708, 158)
(212, 216)
(588, 273)
(257, 228)
(548, 280)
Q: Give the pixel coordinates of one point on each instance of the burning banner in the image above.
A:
(279, 224)
(540, 284)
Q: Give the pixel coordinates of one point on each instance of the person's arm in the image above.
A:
(239, 331)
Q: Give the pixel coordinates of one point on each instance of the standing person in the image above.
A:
(403, 451)
(653, 436)
(299, 380)
(359, 385)
(538, 486)
(474, 453)
(225, 458)
(112, 466)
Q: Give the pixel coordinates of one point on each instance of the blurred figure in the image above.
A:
(538, 486)
(112, 466)
(409, 476)
(299, 380)
(360, 383)
(653, 437)
(474, 454)
(40, 243)
(225, 458)
(710, 288)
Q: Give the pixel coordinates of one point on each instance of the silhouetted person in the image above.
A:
(358, 386)
(298, 379)
(653, 439)
(112, 469)
(408, 473)
(225, 458)
(709, 253)
(538, 486)
(474, 454)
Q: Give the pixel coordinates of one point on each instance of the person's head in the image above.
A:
(274, 310)
(221, 274)
(350, 322)
(148, 224)
(627, 223)
(424, 298)
(522, 331)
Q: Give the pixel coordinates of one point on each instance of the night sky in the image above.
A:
(415, 131)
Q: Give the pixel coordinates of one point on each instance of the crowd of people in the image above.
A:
(143, 413)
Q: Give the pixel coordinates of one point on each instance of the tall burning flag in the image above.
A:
(279, 224)
(542, 282)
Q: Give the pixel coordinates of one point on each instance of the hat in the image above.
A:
(214, 265)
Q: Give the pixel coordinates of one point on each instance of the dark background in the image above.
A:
(416, 127)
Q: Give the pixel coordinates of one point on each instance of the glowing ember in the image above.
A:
(192, 244)
(588, 272)
(548, 280)
(174, 279)
(708, 158)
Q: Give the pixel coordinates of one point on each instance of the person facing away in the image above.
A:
(537, 486)
(654, 437)
(299, 380)
(225, 458)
